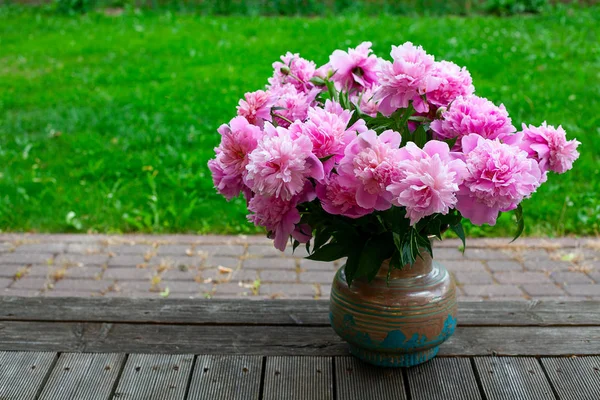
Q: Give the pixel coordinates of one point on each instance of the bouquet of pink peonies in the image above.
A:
(368, 158)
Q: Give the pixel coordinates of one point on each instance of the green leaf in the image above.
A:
(295, 246)
(377, 249)
(424, 243)
(397, 241)
(322, 237)
(451, 142)
(351, 265)
(435, 227)
(520, 222)
(419, 136)
(460, 232)
(329, 252)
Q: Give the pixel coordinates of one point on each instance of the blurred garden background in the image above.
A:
(109, 108)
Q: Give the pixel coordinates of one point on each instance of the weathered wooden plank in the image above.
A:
(155, 376)
(274, 312)
(507, 378)
(354, 378)
(443, 379)
(83, 377)
(23, 374)
(298, 378)
(278, 340)
(574, 378)
(226, 378)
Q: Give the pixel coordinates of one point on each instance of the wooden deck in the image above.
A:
(83, 349)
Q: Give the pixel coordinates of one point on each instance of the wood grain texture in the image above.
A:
(23, 374)
(298, 378)
(226, 378)
(155, 377)
(83, 377)
(507, 378)
(443, 379)
(574, 378)
(354, 378)
(275, 312)
(278, 340)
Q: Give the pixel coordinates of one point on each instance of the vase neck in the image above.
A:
(422, 266)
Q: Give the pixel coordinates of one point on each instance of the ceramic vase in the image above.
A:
(395, 323)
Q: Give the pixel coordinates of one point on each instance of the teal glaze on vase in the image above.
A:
(399, 324)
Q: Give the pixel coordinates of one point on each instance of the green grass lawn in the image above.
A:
(106, 123)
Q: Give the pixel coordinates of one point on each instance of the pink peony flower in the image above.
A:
(293, 70)
(327, 131)
(228, 169)
(281, 217)
(549, 147)
(355, 69)
(228, 185)
(406, 79)
(291, 104)
(368, 167)
(365, 102)
(280, 164)
(499, 177)
(337, 199)
(428, 180)
(472, 114)
(455, 81)
(256, 107)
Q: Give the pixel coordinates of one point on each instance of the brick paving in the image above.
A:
(187, 266)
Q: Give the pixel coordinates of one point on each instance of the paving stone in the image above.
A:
(595, 275)
(215, 275)
(83, 259)
(130, 249)
(264, 251)
(25, 258)
(186, 286)
(40, 248)
(311, 265)
(85, 248)
(30, 283)
(84, 272)
(583, 290)
(176, 250)
(570, 277)
(20, 292)
(227, 262)
(447, 254)
(77, 293)
(535, 255)
(244, 275)
(277, 275)
(81, 285)
(125, 273)
(269, 263)
(134, 295)
(288, 290)
(560, 298)
(325, 291)
(498, 266)
(473, 277)
(5, 282)
(486, 254)
(517, 277)
(492, 290)
(221, 250)
(176, 262)
(230, 289)
(179, 274)
(469, 298)
(136, 286)
(549, 265)
(9, 271)
(126, 261)
(464, 265)
(317, 276)
(300, 252)
(542, 289)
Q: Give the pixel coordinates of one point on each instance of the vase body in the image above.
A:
(395, 324)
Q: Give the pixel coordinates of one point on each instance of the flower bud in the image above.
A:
(285, 70)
